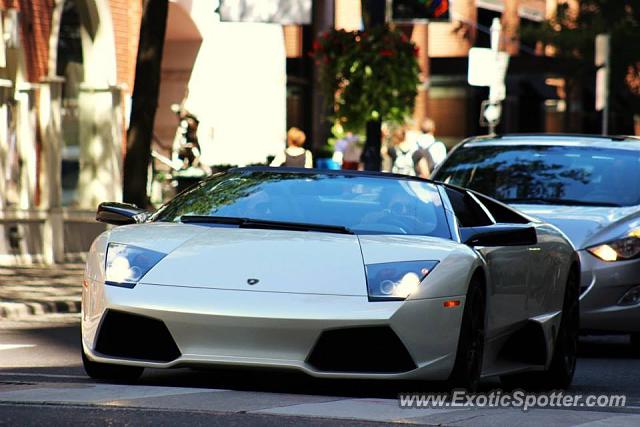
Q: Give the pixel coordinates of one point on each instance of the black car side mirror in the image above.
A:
(121, 213)
(499, 235)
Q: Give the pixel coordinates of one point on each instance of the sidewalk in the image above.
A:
(40, 289)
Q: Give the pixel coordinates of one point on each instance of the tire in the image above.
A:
(468, 364)
(110, 372)
(560, 373)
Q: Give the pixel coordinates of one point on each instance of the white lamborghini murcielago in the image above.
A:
(336, 274)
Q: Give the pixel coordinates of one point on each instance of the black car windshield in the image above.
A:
(547, 174)
(356, 203)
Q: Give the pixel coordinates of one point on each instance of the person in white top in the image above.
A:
(429, 143)
(295, 155)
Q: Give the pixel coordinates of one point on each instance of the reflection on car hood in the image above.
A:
(585, 225)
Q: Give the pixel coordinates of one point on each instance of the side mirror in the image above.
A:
(120, 213)
(499, 235)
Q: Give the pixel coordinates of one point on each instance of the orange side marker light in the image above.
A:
(451, 303)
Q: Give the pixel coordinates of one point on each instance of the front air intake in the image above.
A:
(131, 336)
(374, 349)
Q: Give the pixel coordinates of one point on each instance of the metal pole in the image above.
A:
(605, 110)
(496, 28)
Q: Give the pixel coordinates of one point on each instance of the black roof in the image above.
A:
(550, 135)
(329, 172)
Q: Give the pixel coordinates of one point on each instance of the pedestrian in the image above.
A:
(406, 157)
(348, 151)
(295, 155)
(428, 142)
(386, 161)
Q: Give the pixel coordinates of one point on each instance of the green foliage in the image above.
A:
(573, 36)
(368, 75)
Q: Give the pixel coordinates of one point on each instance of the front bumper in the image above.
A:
(273, 330)
(603, 284)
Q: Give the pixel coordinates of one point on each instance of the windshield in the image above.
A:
(542, 174)
(360, 204)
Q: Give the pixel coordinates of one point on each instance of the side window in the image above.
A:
(501, 213)
(468, 212)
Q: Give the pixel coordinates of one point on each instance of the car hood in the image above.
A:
(271, 260)
(586, 225)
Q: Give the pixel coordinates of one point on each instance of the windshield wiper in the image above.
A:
(558, 201)
(264, 224)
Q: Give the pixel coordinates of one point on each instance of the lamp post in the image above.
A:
(496, 91)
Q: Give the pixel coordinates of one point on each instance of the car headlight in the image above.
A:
(126, 265)
(622, 249)
(396, 280)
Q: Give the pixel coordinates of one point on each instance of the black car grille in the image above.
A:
(374, 349)
(132, 336)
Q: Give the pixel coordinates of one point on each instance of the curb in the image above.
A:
(25, 309)
(27, 292)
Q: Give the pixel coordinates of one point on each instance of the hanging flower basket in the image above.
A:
(368, 75)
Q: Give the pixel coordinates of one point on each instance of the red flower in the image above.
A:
(416, 51)
(386, 53)
(404, 38)
(317, 46)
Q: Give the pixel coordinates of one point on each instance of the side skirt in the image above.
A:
(529, 348)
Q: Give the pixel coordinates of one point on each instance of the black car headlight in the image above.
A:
(126, 265)
(628, 247)
(392, 281)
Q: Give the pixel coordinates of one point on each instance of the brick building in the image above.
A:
(66, 74)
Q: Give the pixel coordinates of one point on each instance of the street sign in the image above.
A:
(284, 12)
(602, 62)
(487, 67)
(602, 50)
(601, 89)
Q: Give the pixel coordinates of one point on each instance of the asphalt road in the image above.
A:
(42, 382)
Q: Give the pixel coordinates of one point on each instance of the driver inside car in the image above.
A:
(397, 213)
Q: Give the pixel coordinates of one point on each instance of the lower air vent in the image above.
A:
(364, 349)
(528, 345)
(132, 336)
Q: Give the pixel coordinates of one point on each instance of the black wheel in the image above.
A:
(109, 372)
(468, 365)
(563, 364)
